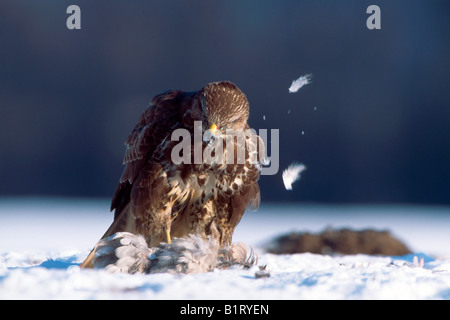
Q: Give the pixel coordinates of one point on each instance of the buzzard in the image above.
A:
(159, 198)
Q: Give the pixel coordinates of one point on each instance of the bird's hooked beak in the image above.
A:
(213, 129)
(212, 132)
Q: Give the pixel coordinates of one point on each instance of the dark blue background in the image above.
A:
(376, 119)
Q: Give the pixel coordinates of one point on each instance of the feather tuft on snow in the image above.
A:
(292, 174)
(300, 82)
(237, 254)
(125, 252)
(187, 255)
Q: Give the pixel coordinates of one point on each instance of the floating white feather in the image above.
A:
(292, 174)
(300, 82)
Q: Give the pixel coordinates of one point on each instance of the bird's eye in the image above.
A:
(225, 127)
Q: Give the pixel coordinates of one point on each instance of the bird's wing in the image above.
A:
(247, 196)
(155, 124)
(142, 173)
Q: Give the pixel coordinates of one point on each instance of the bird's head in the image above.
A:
(224, 107)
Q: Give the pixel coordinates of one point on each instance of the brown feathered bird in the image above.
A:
(159, 198)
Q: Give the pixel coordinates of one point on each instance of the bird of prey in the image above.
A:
(160, 199)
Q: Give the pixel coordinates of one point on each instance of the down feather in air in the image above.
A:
(292, 174)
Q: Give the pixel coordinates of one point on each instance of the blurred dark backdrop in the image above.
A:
(375, 120)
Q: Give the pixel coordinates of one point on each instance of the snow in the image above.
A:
(43, 241)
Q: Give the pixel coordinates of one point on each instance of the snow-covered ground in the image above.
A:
(43, 241)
